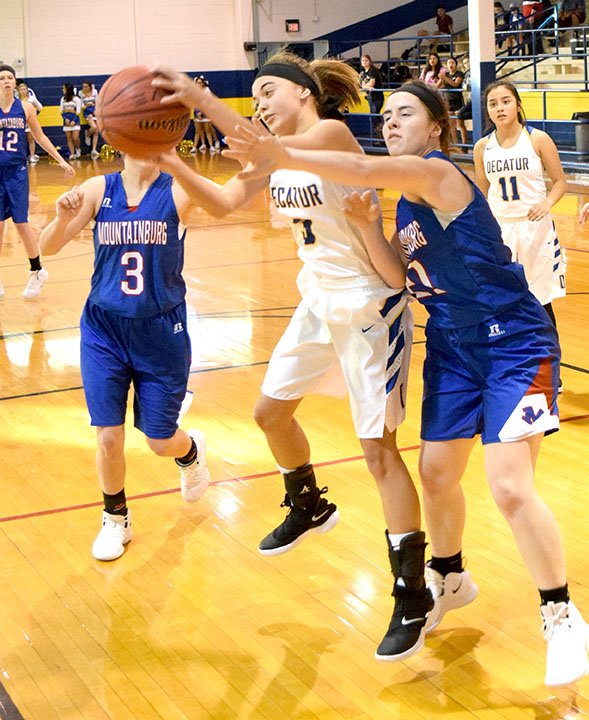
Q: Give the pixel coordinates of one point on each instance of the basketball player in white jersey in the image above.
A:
(509, 166)
(351, 331)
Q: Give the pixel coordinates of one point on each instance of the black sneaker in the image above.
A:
(406, 632)
(299, 523)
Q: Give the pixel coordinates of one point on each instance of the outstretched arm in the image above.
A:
(184, 90)
(194, 189)
(437, 182)
(74, 210)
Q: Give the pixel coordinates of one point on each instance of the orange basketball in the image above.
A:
(131, 118)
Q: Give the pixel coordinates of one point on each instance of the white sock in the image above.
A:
(395, 538)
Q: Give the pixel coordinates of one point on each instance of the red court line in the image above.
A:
(168, 491)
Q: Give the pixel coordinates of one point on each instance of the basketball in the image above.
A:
(131, 118)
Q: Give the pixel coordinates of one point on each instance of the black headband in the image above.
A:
(289, 72)
(431, 99)
(8, 68)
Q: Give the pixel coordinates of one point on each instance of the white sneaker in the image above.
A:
(217, 146)
(114, 534)
(450, 592)
(34, 159)
(195, 478)
(94, 154)
(567, 637)
(37, 279)
(203, 148)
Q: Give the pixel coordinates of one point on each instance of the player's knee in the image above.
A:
(110, 441)
(510, 498)
(267, 414)
(435, 479)
(159, 446)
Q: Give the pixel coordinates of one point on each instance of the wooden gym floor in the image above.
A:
(192, 622)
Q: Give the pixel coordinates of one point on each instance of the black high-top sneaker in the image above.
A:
(413, 600)
(309, 512)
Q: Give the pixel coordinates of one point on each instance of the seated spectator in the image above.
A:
(516, 24)
(433, 72)
(501, 22)
(532, 12)
(571, 13)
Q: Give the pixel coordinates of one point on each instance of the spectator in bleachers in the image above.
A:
(445, 25)
(371, 83)
(433, 73)
(571, 13)
(516, 24)
(465, 112)
(452, 87)
(501, 22)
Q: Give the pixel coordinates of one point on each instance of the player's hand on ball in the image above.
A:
(181, 88)
(69, 204)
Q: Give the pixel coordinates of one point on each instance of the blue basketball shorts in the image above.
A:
(14, 193)
(498, 379)
(152, 354)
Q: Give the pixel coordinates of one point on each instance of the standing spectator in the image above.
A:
(532, 12)
(71, 106)
(445, 25)
(465, 112)
(371, 83)
(203, 129)
(15, 115)
(88, 99)
(452, 85)
(433, 73)
(25, 93)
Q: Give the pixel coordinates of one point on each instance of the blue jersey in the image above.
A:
(139, 252)
(13, 141)
(459, 268)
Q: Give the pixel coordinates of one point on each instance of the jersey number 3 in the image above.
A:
(134, 263)
(307, 231)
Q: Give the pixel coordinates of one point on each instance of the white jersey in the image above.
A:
(328, 244)
(516, 176)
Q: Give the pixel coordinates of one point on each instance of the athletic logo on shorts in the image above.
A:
(530, 416)
(495, 331)
(178, 327)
